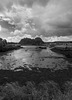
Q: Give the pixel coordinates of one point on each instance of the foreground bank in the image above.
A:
(38, 84)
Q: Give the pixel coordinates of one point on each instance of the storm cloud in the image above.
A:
(47, 18)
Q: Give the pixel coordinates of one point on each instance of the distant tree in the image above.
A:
(1, 39)
(4, 42)
(38, 41)
(28, 41)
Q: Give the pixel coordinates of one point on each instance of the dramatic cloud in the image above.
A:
(46, 18)
(29, 3)
(18, 38)
(56, 16)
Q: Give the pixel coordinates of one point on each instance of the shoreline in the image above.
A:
(67, 51)
(10, 47)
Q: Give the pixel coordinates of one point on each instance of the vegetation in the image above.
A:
(36, 84)
(30, 91)
(2, 43)
(28, 41)
(5, 46)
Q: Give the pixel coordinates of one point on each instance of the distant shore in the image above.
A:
(9, 47)
(65, 50)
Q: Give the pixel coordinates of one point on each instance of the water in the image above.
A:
(30, 56)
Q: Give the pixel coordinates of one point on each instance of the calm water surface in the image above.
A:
(32, 57)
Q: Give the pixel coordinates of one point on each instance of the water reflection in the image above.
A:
(33, 57)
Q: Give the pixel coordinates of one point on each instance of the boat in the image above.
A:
(67, 51)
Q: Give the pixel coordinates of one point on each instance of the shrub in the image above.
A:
(30, 91)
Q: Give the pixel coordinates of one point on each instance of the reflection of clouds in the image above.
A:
(21, 54)
(43, 59)
(24, 60)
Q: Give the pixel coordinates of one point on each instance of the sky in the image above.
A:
(49, 19)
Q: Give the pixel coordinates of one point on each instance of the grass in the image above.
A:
(30, 91)
(41, 84)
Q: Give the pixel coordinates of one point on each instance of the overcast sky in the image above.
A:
(49, 19)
